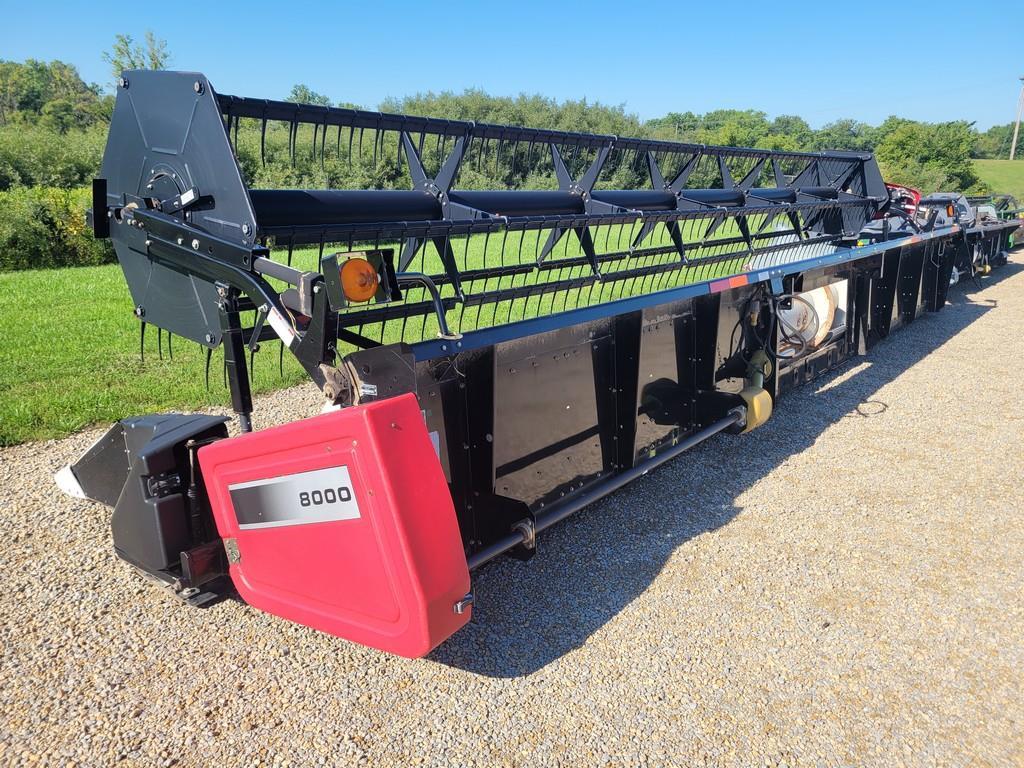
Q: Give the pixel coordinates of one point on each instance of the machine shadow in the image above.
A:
(528, 615)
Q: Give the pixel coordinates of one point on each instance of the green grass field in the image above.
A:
(70, 357)
(1003, 176)
(70, 351)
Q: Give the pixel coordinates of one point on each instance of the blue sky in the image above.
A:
(927, 61)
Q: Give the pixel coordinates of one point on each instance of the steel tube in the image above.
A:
(637, 199)
(265, 266)
(774, 194)
(825, 193)
(276, 208)
(717, 197)
(613, 483)
(516, 202)
(298, 207)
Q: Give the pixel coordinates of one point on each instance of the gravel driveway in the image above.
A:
(841, 587)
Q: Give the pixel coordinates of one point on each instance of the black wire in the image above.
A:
(788, 333)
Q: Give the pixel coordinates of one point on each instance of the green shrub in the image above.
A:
(44, 227)
(32, 155)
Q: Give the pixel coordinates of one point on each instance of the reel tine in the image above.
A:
(293, 135)
(351, 133)
(142, 341)
(515, 146)
(280, 361)
(209, 356)
(160, 342)
(170, 350)
(263, 142)
(323, 144)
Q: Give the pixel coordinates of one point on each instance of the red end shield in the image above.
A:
(344, 523)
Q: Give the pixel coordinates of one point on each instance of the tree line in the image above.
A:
(53, 131)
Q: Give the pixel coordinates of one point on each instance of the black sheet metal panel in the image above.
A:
(549, 393)
(166, 138)
(101, 470)
(140, 469)
(666, 390)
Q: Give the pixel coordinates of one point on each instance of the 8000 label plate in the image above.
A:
(319, 496)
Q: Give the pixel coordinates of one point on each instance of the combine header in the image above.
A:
(541, 318)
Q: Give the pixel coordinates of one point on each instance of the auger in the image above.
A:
(526, 320)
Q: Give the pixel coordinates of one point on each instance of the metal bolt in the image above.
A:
(195, 245)
(181, 241)
(140, 311)
(209, 338)
(197, 86)
(246, 229)
(123, 82)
